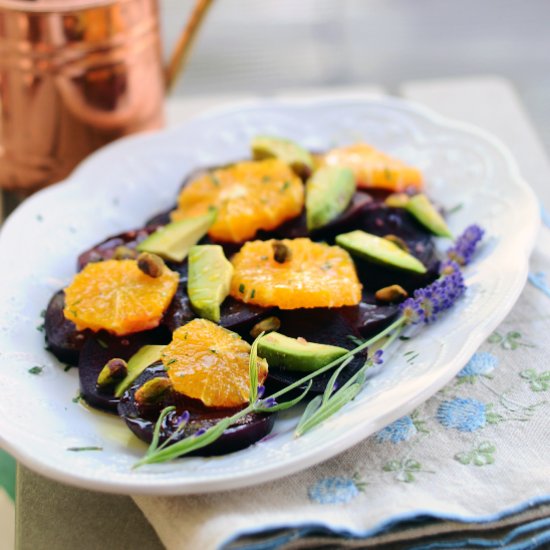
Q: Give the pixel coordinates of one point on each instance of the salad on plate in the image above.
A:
(273, 281)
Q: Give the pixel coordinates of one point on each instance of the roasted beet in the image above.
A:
(141, 420)
(95, 353)
(105, 250)
(62, 337)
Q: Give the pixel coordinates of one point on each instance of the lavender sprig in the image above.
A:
(465, 245)
(423, 307)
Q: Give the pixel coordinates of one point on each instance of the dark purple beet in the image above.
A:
(162, 218)
(97, 351)
(105, 250)
(243, 433)
(62, 337)
(334, 327)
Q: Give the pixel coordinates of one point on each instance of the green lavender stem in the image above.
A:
(193, 443)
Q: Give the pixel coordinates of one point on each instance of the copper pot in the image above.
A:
(74, 75)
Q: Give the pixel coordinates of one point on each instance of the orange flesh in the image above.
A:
(316, 275)
(116, 296)
(207, 362)
(372, 168)
(248, 196)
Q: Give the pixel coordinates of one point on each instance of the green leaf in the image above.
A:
(392, 466)
(334, 404)
(514, 335)
(285, 405)
(311, 408)
(493, 418)
(463, 458)
(253, 370)
(413, 465)
(156, 432)
(486, 447)
(495, 338)
(406, 476)
(332, 382)
(538, 385)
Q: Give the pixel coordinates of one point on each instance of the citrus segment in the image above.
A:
(308, 275)
(115, 295)
(210, 363)
(373, 168)
(248, 196)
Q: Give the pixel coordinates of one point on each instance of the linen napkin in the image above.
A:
(477, 451)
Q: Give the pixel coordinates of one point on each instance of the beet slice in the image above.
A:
(105, 250)
(63, 339)
(95, 353)
(141, 421)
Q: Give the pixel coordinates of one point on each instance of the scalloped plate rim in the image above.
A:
(166, 484)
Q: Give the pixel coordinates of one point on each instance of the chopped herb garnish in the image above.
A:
(241, 288)
(41, 328)
(78, 449)
(285, 186)
(36, 369)
(455, 208)
(77, 398)
(43, 313)
(102, 343)
(215, 180)
(403, 337)
(213, 350)
(171, 362)
(253, 293)
(67, 368)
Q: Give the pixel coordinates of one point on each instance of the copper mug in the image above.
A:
(74, 75)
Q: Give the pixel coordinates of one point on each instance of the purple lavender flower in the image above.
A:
(465, 245)
(429, 301)
(269, 402)
(199, 432)
(377, 358)
(183, 419)
(448, 267)
(261, 391)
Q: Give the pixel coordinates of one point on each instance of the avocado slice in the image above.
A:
(379, 250)
(425, 212)
(298, 158)
(209, 280)
(145, 356)
(296, 353)
(173, 241)
(328, 194)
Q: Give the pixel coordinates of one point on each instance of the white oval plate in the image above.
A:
(120, 186)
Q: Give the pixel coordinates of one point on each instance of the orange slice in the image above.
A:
(372, 168)
(248, 196)
(116, 296)
(207, 362)
(313, 275)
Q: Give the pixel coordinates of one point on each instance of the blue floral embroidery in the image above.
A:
(480, 364)
(538, 279)
(335, 490)
(465, 415)
(397, 431)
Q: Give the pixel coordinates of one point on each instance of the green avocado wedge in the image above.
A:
(296, 354)
(173, 241)
(328, 194)
(425, 212)
(145, 356)
(209, 280)
(379, 250)
(298, 158)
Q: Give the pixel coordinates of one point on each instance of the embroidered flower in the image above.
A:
(335, 490)
(481, 363)
(397, 431)
(465, 415)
